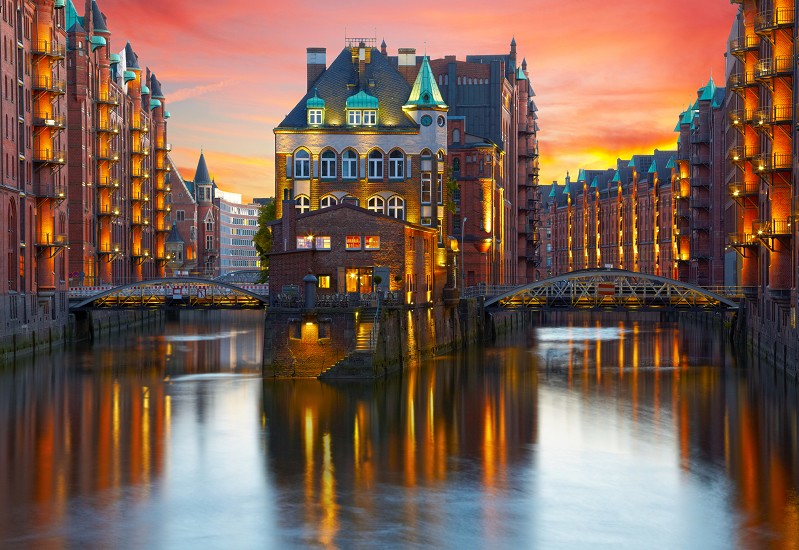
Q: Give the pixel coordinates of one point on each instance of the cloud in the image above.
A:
(190, 93)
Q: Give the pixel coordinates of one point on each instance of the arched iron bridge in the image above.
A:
(611, 289)
(188, 292)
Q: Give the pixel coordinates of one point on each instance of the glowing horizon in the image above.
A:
(609, 82)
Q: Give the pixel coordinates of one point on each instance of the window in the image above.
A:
(209, 242)
(324, 281)
(456, 136)
(370, 118)
(440, 188)
(372, 242)
(328, 201)
(456, 165)
(396, 207)
(180, 215)
(375, 165)
(304, 243)
(323, 243)
(314, 116)
(377, 204)
(353, 242)
(302, 165)
(303, 204)
(349, 165)
(209, 226)
(426, 193)
(396, 165)
(328, 165)
(354, 118)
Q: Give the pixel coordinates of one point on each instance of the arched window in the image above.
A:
(303, 204)
(440, 156)
(441, 80)
(302, 165)
(375, 165)
(456, 136)
(396, 165)
(456, 165)
(377, 204)
(328, 165)
(349, 165)
(446, 80)
(328, 201)
(396, 207)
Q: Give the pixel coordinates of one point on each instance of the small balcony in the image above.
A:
(775, 227)
(770, 20)
(112, 249)
(107, 98)
(773, 67)
(742, 189)
(46, 120)
(49, 156)
(140, 255)
(739, 46)
(700, 137)
(742, 239)
(139, 173)
(700, 182)
(140, 221)
(163, 146)
(700, 158)
(140, 197)
(740, 153)
(107, 183)
(139, 149)
(107, 127)
(49, 49)
(108, 210)
(740, 80)
(775, 162)
(163, 167)
(53, 191)
(740, 117)
(44, 83)
(139, 126)
(777, 114)
(108, 154)
(702, 203)
(52, 240)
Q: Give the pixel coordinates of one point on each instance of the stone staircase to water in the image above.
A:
(358, 364)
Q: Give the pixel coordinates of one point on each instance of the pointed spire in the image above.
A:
(595, 182)
(98, 19)
(155, 88)
(709, 91)
(581, 176)
(131, 59)
(383, 49)
(425, 92)
(524, 63)
(552, 192)
(654, 168)
(174, 235)
(201, 175)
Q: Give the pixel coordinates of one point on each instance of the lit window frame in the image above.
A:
(369, 117)
(316, 117)
(327, 165)
(354, 117)
(350, 240)
(371, 242)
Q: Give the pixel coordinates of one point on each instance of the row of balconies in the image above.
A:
(46, 83)
(771, 20)
(775, 114)
(761, 162)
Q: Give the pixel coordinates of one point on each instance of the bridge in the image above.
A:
(185, 292)
(610, 289)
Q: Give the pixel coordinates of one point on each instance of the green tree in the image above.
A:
(263, 238)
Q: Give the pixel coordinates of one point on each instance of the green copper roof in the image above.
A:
(520, 74)
(72, 16)
(631, 164)
(130, 75)
(552, 192)
(98, 42)
(317, 102)
(653, 169)
(677, 128)
(114, 58)
(566, 189)
(617, 177)
(425, 92)
(167, 114)
(361, 100)
(154, 104)
(145, 89)
(687, 116)
(670, 164)
(709, 91)
(58, 4)
(581, 175)
(595, 182)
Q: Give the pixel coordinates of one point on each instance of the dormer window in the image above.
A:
(369, 118)
(315, 117)
(354, 118)
(362, 109)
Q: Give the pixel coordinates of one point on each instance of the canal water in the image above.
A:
(588, 434)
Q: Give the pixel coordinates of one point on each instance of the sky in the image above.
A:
(611, 78)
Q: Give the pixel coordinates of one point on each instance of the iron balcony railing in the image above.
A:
(109, 248)
(774, 66)
(774, 227)
(700, 181)
(51, 191)
(740, 153)
(773, 115)
(50, 121)
(50, 156)
(744, 43)
(49, 239)
(773, 162)
(769, 20)
(48, 84)
(744, 188)
(107, 182)
(739, 117)
(108, 97)
(48, 48)
(108, 153)
(742, 239)
(742, 80)
(106, 126)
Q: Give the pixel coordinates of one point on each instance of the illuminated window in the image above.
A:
(349, 165)
(370, 118)
(375, 165)
(372, 242)
(353, 242)
(440, 189)
(354, 117)
(440, 231)
(324, 281)
(323, 243)
(377, 204)
(314, 116)
(305, 243)
(328, 165)
(396, 207)
(328, 201)
(396, 165)
(426, 190)
(302, 165)
(303, 204)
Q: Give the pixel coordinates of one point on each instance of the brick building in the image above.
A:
(346, 246)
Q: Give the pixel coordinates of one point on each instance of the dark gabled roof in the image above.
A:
(174, 236)
(131, 59)
(98, 19)
(155, 88)
(341, 80)
(662, 161)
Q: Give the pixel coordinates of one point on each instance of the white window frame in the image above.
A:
(327, 201)
(315, 116)
(440, 179)
(367, 246)
(369, 117)
(396, 207)
(396, 165)
(375, 165)
(349, 165)
(328, 165)
(426, 188)
(303, 204)
(302, 165)
(323, 242)
(377, 204)
(354, 117)
(305, 243)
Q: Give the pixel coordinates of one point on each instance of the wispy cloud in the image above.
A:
(190, 93)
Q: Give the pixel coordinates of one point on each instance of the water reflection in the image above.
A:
(582, 435)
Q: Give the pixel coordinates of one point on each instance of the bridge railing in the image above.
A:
(487, 291)
(78, 292)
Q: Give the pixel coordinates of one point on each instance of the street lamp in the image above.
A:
(463, 266)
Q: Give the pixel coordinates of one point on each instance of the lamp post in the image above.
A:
(463, 266)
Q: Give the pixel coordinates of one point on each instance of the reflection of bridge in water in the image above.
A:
(185, 292)
(610, 289)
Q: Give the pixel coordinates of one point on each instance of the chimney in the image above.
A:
(362, 61)
(317, 63)
(407, 64)
(289, 221)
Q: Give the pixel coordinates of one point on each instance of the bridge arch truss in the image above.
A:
(187, 292)
(611, 289)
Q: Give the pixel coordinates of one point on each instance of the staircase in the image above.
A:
(358, 363)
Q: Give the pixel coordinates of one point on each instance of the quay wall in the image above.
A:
(766, 333)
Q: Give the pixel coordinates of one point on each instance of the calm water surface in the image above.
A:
(583, 435)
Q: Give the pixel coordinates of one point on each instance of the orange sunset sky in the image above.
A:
(610, 77)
